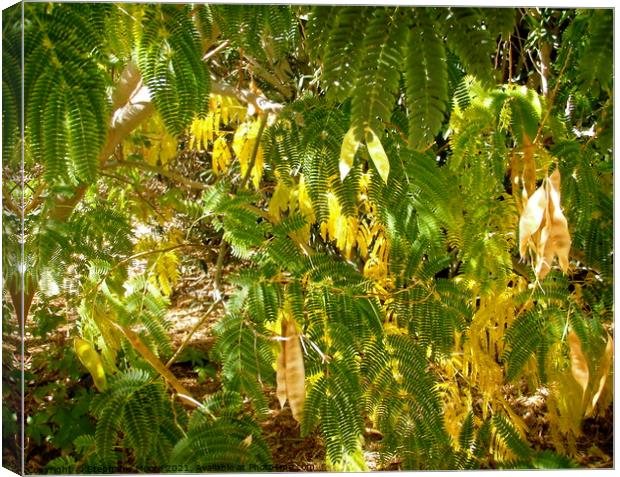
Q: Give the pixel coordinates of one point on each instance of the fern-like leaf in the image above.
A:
(377, 83)
(464, 27)
(426, 79)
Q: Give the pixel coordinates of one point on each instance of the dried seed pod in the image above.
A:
(531, 218)
(290, 372)
(578, 362)
(295, 372)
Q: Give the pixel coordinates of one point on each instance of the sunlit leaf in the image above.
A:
(347, 152)
(377, 154)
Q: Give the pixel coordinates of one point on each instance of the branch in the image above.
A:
(127, 84)
(261, 103)
(124, 120)
(148, 355)
(552, 96)
(223, 245)
(158, 170)
(218, 266)
(37, 198)
(8, 202)
(191, 333)
(544, 53)
(272, 79)
(215, 50)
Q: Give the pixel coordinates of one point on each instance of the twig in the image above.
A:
(269, 77)
(191, 333)
(144, 254)
(36, 199)
(215, 50)
(136, 190)
(8, 202)
(261, 103)
(158, 170)
(148, 355)
(223, 245)
(219, 264)
(551, 98)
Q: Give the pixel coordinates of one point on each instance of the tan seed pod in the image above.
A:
(559, 236)
(606, 360)
(295, 372)
(281, 371)
(529, 166)
(531, 218)
(578, 362)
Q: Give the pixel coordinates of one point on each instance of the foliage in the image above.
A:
(393, 224)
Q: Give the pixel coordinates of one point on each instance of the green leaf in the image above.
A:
(377, 154)
(347, 152)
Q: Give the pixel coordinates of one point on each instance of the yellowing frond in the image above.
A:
(243, 146)
(221, 157)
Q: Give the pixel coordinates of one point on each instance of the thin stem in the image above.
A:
(552, 96)
(144, 254)
(8, 201)
(158, 170)
(36, 199)
(191, 333)
(144, 199)
(215, 50)
(219, 264)
(223, 245)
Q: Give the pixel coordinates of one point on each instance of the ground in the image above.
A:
(290, 452)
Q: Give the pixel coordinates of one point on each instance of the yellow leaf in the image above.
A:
(604, 371)
(531, 218)
(221, 156)
(305, 203)
(208, 134)
(335, 212)
(377, 154)
(167, 271)
(347, 152)
(239, 139)
(579, 365)
(257, 170)
(363, 239)
(167, 149)
(279, 201)
(92, 361)
(196, 134)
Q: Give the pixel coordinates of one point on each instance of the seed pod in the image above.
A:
(91, 361)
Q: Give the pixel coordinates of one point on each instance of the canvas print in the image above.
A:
(280, 238)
